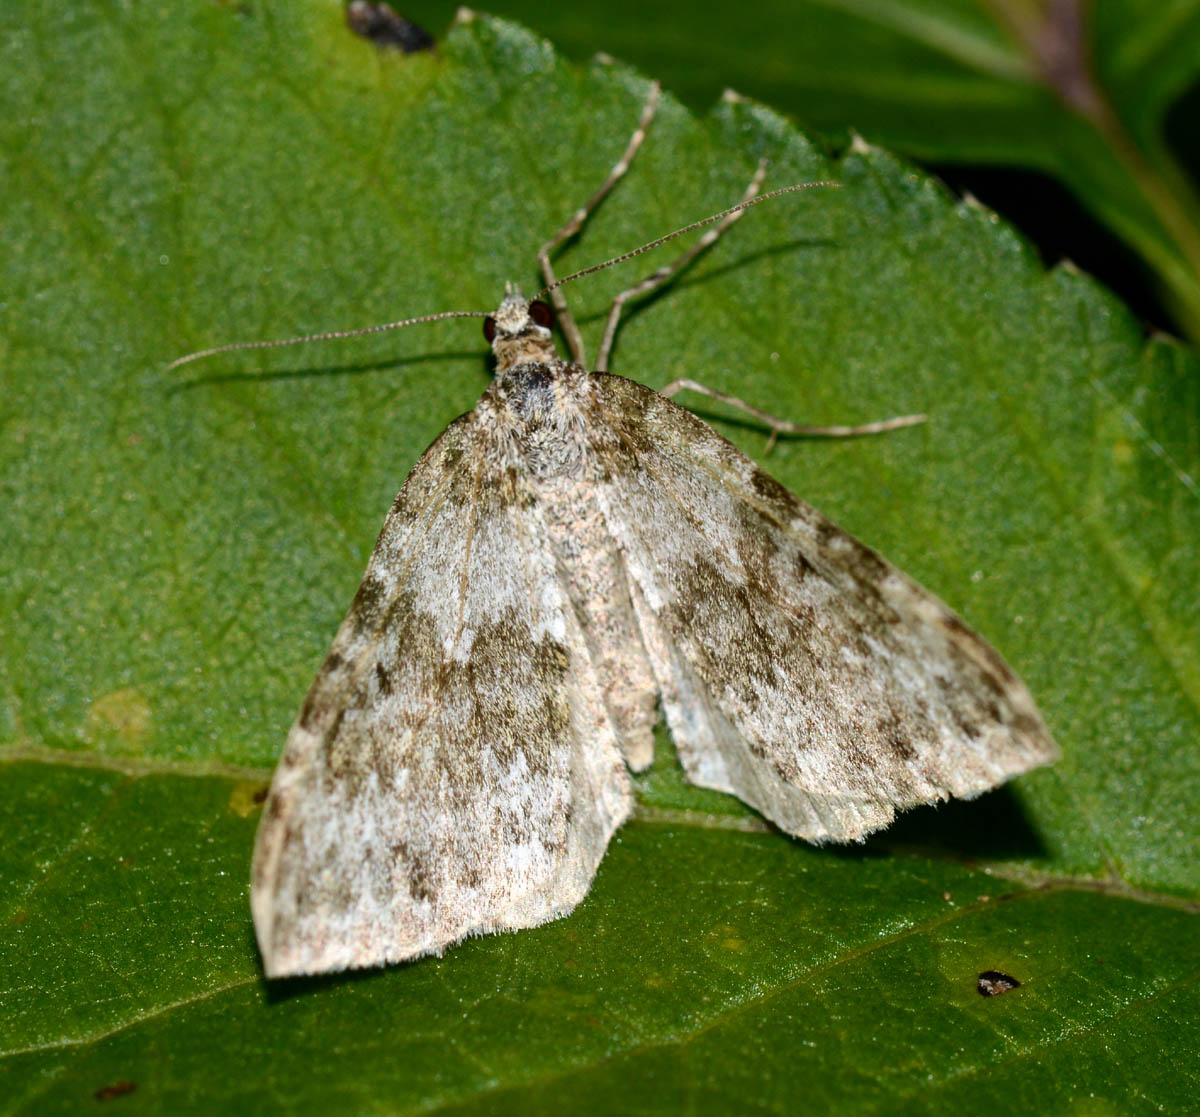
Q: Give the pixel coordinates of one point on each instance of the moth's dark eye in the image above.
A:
(541, 313)
(489, 329)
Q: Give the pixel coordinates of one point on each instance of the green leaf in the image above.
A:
(1080, 91)
(180, 547)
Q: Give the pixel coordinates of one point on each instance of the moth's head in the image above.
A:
(520, 330)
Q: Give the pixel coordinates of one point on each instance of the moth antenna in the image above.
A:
(328, 335)
(334, 335)
(744, 205)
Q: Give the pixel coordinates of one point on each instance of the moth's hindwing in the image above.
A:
(798, 669)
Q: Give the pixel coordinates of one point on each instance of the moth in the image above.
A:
(566, 559)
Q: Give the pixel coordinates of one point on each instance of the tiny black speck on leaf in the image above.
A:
(992, 983)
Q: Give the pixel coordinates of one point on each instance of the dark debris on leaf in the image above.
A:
(992, 983)
(385, 27)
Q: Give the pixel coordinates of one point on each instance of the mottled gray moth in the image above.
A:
(566, 559)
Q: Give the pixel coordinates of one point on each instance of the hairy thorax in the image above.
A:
(537, 411)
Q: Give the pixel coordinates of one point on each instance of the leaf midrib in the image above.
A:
(678, 1038)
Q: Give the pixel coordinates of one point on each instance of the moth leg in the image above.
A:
(561, 310)
(783, 426)
(669, 271)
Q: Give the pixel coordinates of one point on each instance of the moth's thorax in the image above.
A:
(537, 415)
(539, 392)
